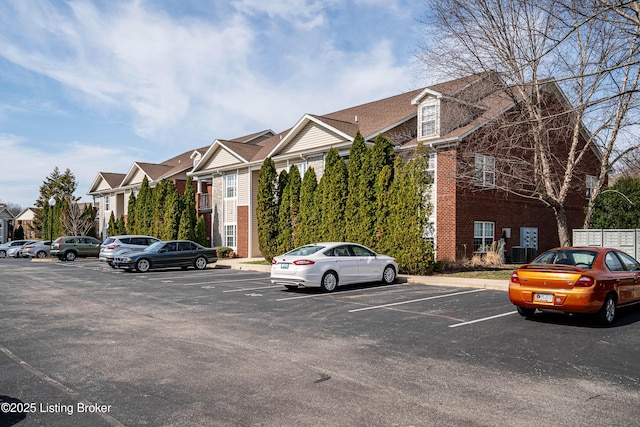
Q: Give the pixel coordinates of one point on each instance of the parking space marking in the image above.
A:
(217, 282)
(324, 294)
(483, 319)
(192, 273)
(414, 300)
(254, 289)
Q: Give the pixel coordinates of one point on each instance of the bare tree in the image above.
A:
(571, 74)
(75, 222)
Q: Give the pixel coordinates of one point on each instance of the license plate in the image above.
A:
(284, 266)
(544, 297)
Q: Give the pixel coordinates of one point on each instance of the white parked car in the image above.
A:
(330, 264)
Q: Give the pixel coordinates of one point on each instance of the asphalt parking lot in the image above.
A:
(83, 344)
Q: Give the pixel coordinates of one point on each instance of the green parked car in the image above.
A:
(68, 248)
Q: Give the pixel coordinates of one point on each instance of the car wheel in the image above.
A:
(3, 254)
(525, 311)
(143, 265)
(41, 254)
(607, 313)
(70, 256)
(388, 275)
(200, 263)
(329, 281)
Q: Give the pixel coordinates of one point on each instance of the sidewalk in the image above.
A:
(435, 280)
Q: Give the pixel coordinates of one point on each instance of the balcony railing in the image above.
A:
(204, 202)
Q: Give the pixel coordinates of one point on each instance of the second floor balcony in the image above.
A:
(204, 202)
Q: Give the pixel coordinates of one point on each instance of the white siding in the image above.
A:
(103, 186)
(221, 158)
(311, 137)
(243, 187)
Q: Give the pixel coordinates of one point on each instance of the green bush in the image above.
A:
(223, 251)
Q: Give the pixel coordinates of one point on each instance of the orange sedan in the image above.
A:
(577, 280)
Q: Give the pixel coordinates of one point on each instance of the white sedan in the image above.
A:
(330, 264)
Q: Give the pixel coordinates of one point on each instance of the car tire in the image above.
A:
(329, 281)
(388, 275)
(70, 256)
(200, 263)
(607, 313)
(143, 265)
(41, 254)
(525, 311)
(3, 254)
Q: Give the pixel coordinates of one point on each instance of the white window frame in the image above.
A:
(429, 123)
(485, 171)
(230, 201)
(107, 202)
(231, 235)
(302, 167)
(484, 231)
(590, 182)
(231, 186)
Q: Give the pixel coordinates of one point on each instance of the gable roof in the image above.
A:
(113, 180)
(28, 213)
(244, 148)
(5, 213)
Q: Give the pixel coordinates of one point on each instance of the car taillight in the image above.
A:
(273, 261)
(303, 262)
(515, 278)
(28, 246)
(112, 247)
(584, 282)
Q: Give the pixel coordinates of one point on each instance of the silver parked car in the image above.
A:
(330, 264)
(6, 246)
(39, 249)
(15, 251)
(115, 246)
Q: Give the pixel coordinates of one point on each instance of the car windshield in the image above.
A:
(305, 250)
(577, 257)
(155, 247)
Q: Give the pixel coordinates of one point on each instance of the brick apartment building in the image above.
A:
(447, 118)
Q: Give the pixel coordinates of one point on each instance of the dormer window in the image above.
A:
(428, 120)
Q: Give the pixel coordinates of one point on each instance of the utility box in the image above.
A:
(522, 255)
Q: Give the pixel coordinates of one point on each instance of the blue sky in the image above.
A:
(97, 85)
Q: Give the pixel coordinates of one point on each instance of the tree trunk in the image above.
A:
(563, 227)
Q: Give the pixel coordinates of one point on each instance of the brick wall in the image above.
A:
(243, 231)
(446, 205)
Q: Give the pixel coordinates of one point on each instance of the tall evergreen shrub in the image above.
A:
(266, 209)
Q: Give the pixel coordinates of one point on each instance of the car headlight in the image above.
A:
(126, 259)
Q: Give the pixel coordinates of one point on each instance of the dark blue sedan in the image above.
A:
(173, 253)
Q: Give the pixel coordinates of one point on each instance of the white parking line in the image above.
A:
(212, 282)
(189, 273)
(483, 319)
(220, 282)
(253, 289)
(323, 294)
(414, 300)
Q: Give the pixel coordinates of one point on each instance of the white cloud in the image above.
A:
(182, 81)
(25, 168)
(303, 14)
